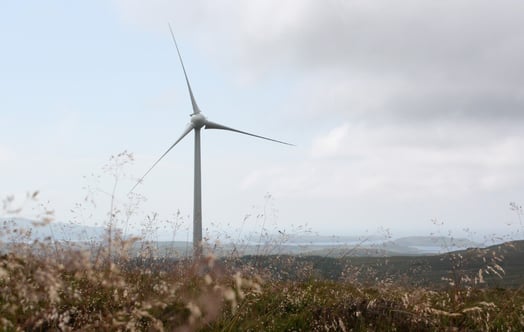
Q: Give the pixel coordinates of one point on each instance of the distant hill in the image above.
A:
(25, 230)
(500, 265)
(442, 242)
(305, 245)
(405, 259)
(323, 246)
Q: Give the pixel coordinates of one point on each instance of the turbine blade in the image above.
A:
(214, 125)
(186, 131)
(196, 110)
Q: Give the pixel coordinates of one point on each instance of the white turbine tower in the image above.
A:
(198, 121)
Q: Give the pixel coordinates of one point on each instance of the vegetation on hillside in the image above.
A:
(48, 285)
(73, 290)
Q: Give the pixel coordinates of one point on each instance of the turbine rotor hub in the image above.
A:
(198, 120)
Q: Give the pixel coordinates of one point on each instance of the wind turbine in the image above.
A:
(197, 122)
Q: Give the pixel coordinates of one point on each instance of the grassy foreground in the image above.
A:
(53, 289)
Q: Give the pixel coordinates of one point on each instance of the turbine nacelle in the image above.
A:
(198, 120)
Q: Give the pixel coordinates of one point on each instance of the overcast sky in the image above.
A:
(402, 112)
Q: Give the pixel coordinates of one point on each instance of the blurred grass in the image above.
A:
(107, 286)
(45, 291)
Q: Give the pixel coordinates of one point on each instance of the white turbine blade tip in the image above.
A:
(188, 129)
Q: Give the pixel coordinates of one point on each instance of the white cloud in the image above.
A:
(406, 33)
(331, 144)
(441, 53)
(401, 163)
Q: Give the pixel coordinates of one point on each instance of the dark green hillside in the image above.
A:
(500, 265)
